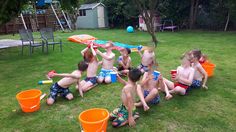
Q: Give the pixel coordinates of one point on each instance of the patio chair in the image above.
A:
(49, 39)
(27, 38)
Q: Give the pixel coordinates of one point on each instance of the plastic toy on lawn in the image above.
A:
(130, 29)
(94, 120)
(42, 82)
(209, 68)
(29, 100)
(87, 39)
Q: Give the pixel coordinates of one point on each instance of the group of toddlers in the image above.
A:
(141, 80)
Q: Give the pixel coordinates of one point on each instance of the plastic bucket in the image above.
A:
(94, 120)
(113, 77)
(29, 100)
(209, 68)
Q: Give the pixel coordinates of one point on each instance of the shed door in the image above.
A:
(101, 19)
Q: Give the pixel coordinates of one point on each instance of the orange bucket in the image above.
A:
(29, 100)
(209, 68)
(94, 120)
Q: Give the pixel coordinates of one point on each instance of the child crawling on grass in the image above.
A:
(91, 79)
(62, 86)
(125, 113)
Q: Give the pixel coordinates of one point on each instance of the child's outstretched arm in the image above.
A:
(121, 80)
(66, 75)
(110, 57)
(84, 50)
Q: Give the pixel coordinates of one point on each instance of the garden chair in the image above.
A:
(26, 36)
(49, 39)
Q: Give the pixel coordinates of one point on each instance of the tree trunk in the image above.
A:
(191, 14)
(195, 12)
(148, 13)
(227, 22)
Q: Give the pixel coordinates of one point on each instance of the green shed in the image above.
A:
(92, 16)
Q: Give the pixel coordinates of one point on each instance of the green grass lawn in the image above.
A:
(211, 110)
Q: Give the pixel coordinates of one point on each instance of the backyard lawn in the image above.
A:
(201, 110)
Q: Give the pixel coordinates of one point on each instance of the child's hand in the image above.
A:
(145, 107)
(175, 78)
(205, 87)
(51, 75)
(131, 121)
(168, 96)
(160, 77)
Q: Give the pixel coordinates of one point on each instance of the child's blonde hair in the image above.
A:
(187, 55)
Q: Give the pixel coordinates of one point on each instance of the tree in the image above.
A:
(71, 6)
(231, 11)
(193, 13)
(148, 9)
(10, 9)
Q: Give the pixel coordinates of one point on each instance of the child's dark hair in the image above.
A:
(128, 50)
(82, 66)
(134, 74)
(197, 53)
(88, 55)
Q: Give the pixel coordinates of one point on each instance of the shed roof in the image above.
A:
(90, 6)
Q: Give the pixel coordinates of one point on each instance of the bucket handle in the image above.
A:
(41, 97)
(81, 128)
(31, 106)
(101, 127)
